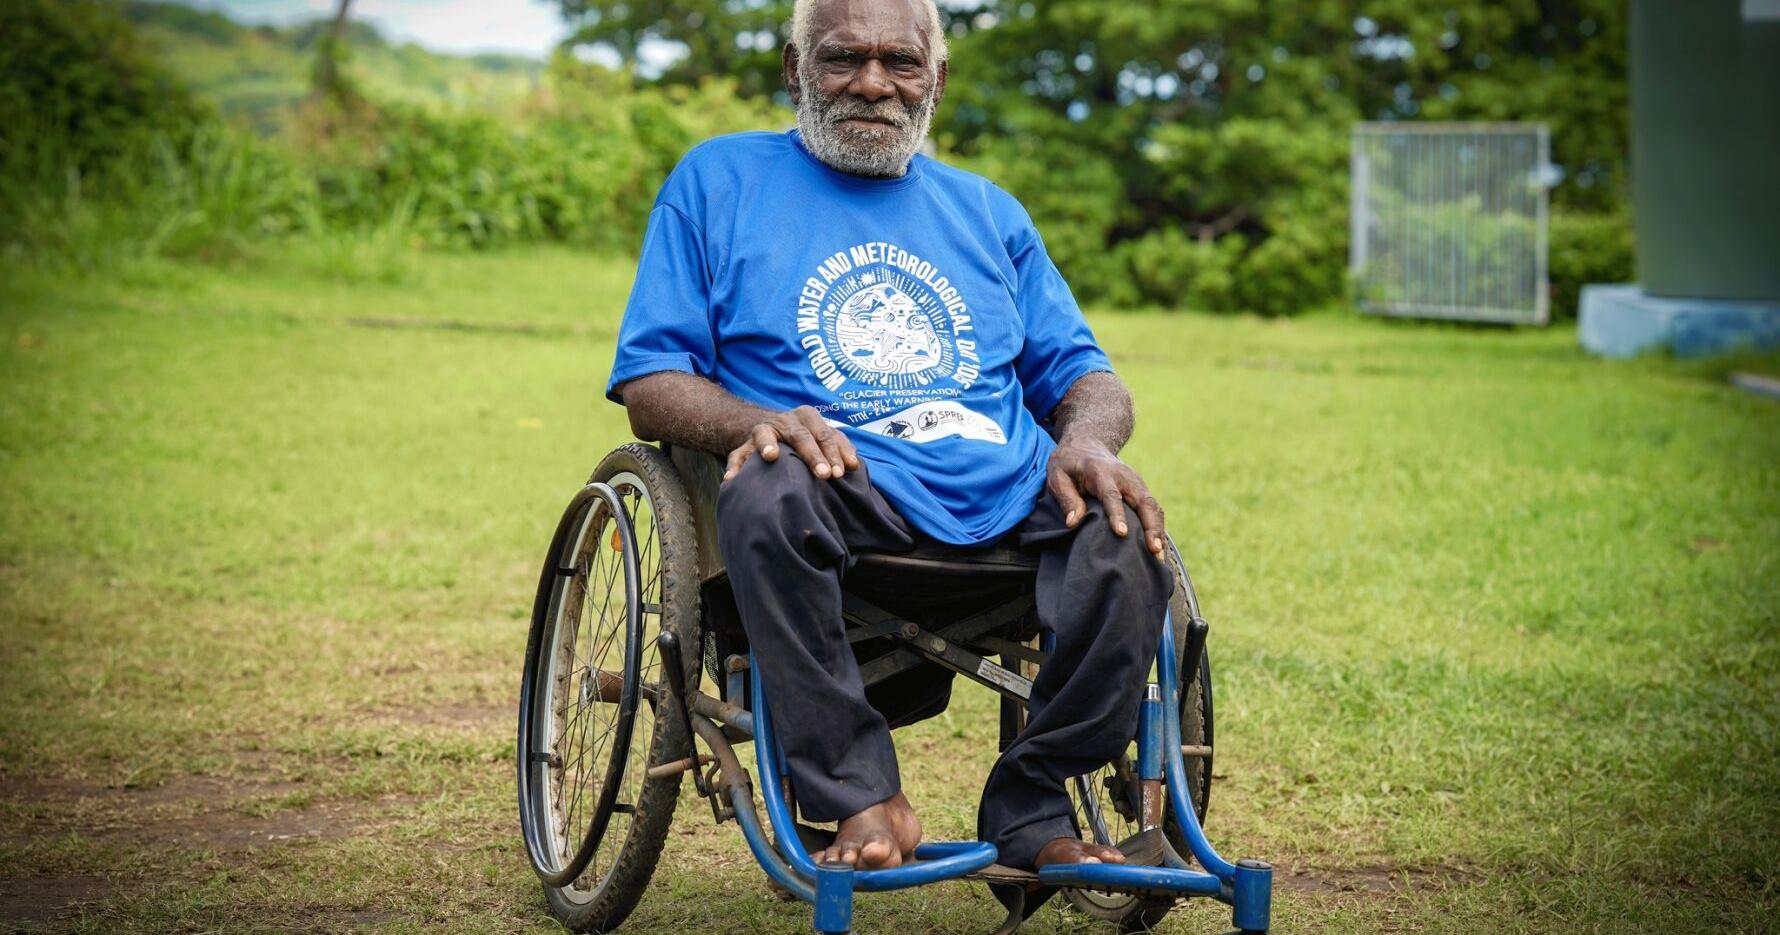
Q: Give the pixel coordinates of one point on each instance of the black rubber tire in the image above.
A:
(1131, 912)
(601, 899)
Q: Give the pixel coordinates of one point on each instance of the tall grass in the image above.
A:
(208, 196)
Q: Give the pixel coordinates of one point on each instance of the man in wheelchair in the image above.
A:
(886, 356)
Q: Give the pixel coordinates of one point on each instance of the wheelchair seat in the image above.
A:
(932, 557)
(1002, 563)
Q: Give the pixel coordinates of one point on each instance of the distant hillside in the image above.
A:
(256, 72)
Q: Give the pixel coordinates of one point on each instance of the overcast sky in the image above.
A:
(525, 27)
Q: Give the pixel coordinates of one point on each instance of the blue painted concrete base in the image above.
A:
(1621, 321)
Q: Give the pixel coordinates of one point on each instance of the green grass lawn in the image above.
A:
(1496, 625)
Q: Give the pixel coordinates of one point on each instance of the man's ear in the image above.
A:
(939, 89)
(788, 65)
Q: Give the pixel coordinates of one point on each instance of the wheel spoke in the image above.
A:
(572, 841)
(598, 625)
(1096, 818)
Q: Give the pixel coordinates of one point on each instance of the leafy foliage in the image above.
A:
(1139, 133)
(709, 38)
(1588, 248)
(73, 73)
(581, 167)
(103, 153)
(1176, 156)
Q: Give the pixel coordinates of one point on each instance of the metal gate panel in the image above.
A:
(1449, 220)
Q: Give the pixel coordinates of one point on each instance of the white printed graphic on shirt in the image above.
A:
(881, 330)
(930, 421)
(891, 337)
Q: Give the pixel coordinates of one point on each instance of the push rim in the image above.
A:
(639, 510)
(583, 691)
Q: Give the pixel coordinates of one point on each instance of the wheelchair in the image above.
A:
(633, 611)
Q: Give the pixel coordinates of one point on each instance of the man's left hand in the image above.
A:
(1085, 468)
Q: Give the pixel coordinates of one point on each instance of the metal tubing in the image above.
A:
(724, 712)
(942, 860)
(1149, 759)
(1126, 877)
(1149, 735)
(742, 801)
(735, 678)
(1252, 899)
(669, 645)
(834, 898)
(772, 785)
(677, 767)
(949, 860)
(1175, 766)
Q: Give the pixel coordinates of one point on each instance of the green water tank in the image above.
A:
(1706, 147)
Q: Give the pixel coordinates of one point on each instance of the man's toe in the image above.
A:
(876, 852)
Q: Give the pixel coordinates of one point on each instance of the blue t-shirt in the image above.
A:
(920, 313)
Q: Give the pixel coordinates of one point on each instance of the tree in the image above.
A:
(737, 39)
(330, 54)
(1156, 140)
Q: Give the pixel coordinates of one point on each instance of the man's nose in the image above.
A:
(872, 82)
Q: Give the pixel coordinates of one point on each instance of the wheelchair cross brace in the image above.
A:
(1245, 885)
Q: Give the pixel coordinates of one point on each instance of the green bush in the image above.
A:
(1075, 197)
(1173, 270)
(104, 155)
(582, 166)
(1587, 248)
(77, 90)
(1299, 267)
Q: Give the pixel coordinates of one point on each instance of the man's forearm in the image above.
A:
(683, 409)
(1097, 408)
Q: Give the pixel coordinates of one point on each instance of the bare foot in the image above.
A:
(907, 825)
(1076, 851)
(876, 838)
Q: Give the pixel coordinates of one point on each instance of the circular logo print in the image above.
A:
(880, 329)
(889, 330)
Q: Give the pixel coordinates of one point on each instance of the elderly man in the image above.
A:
(875, 340)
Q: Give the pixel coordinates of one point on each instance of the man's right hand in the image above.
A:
(823, 447)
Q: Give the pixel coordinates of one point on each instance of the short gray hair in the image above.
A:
(803, 31)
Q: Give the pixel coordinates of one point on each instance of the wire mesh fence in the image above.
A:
(1449, 220)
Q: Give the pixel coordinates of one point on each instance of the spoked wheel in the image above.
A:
(1106, 801)
(622, 568)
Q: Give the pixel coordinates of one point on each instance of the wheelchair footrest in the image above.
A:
(1127, 878)
(996, 873)
(940, 860)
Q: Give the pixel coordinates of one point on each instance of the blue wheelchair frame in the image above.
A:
(1245, 885)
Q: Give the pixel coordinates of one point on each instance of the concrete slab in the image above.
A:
(1621, 321)
(1757, 384)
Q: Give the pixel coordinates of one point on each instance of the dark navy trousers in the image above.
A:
(789, 537)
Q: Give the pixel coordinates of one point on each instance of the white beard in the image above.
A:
(879, 152)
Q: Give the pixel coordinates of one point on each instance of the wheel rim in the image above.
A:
(583, 702)
(633, 494)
